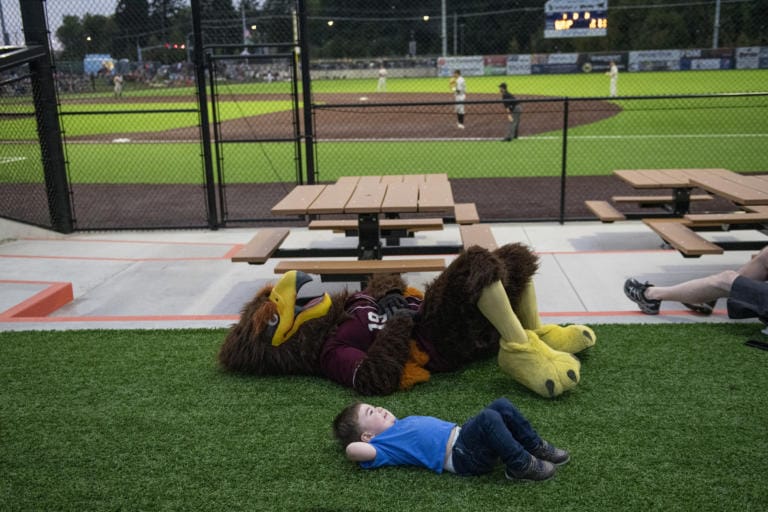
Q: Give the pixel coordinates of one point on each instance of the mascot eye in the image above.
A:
(274, 320)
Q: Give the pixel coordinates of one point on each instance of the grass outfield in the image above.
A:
(728, 132)
(575, 85)
(667, 417)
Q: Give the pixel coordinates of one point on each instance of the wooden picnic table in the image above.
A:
(681, 181)
(370, 197)
(744, 190)
(747, 191)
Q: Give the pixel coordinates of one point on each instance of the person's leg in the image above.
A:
(515, 123)
(460, 110)
(522, 430)
(757, 267)
(516, 423)
(704, 289)
(510, 131)
(483, 440)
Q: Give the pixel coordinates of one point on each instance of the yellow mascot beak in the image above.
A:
(292, 311)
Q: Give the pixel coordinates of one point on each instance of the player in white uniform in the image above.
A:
(459, 88)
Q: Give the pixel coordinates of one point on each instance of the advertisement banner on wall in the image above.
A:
(715, 58)
(518, 64)
(601, 62)
(751, 57)
(748, 57)
(545, 64)
(469, 66)
(655, 60)
(495, 64)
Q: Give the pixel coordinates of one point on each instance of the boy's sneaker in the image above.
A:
(635, 291)
(702, 308)
(546, 451)
(536, 470)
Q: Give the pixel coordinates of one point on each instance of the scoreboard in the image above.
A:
(576, 18)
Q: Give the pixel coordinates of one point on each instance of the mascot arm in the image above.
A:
(379, 373)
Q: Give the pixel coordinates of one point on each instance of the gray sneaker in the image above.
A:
(549, 453)
(702, 308)
(635, 291)
(536, 470)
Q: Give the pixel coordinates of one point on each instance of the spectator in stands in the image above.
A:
(746, 290)
(514, 110)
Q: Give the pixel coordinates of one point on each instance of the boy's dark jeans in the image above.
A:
(500, 431)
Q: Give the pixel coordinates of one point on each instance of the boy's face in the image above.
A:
(373, 420)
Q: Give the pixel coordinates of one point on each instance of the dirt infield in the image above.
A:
(339, 117)
(378, 116)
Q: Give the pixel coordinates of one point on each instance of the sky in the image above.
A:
(57, 9)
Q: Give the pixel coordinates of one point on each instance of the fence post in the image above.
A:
(564, 162)
(205, 134)
(306, 80)
(48, 128)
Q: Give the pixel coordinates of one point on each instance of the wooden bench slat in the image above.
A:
(716, 219)
(419, 224)
(400, 197)
(658, 199)
(677, 234)
(332, 199)
(262, 246)
(477, 234)
(466, 213)
(298, 200)
(361, 267)
(366, 198)
(436, 196)
(604, 211)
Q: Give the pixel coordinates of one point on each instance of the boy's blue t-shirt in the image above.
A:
(412, 441)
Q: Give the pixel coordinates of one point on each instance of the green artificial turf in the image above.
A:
(667, 417)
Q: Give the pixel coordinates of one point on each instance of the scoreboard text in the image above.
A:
(576, 18)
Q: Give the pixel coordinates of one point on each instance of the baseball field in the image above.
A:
(152, 135)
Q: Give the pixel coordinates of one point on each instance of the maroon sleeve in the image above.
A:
(345, 350)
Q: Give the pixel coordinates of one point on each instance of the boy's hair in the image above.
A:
(345, 426)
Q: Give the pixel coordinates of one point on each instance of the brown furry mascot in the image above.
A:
(389, 337)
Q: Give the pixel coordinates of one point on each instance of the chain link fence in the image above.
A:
(130, 109)
(22, 188)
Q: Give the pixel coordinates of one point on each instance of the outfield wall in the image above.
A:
(750, 57)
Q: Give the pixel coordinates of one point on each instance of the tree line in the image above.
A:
(161, 29)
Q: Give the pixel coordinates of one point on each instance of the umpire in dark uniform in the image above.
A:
(514, 110)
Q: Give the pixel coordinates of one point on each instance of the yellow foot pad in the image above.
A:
(571, 338)
(538, 367)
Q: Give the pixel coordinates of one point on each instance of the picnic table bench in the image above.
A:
(676, 203)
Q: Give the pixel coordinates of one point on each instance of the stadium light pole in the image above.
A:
(444, 27)
(6, 38)
(716, 28)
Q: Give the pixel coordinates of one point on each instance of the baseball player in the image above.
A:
(459, 89)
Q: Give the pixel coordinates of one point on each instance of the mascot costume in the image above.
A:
(390, 336)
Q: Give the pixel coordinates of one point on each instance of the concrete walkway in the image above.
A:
(184, 279)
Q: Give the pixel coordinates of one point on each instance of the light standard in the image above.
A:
(6, 38)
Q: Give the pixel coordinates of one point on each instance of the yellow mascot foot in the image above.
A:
(571, 338)
(539, 368)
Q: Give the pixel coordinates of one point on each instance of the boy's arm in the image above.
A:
(359, 451)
